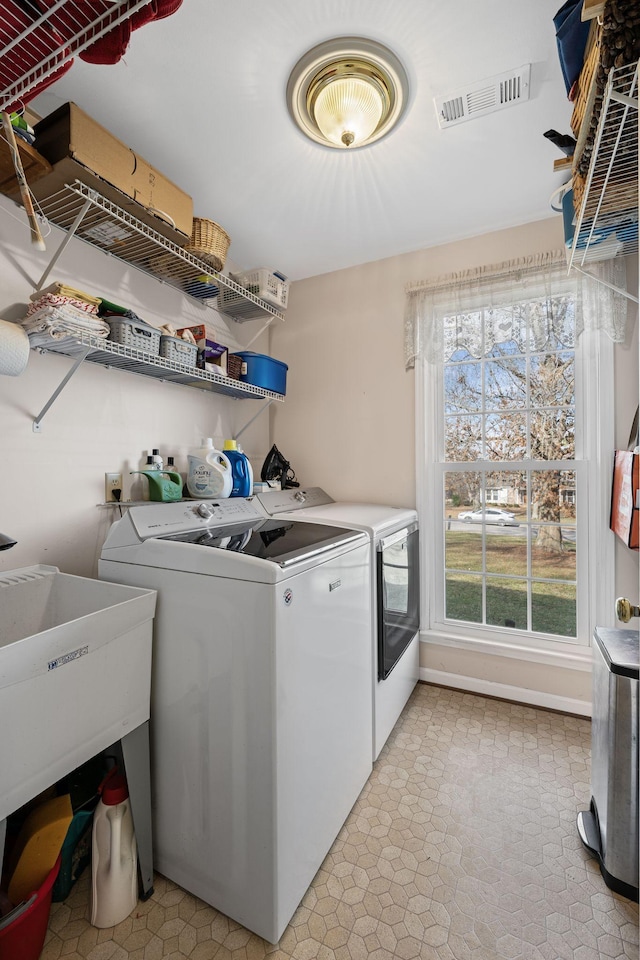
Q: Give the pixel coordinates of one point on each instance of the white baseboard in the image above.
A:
(505, 691)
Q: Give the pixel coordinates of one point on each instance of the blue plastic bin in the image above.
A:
(263, 371)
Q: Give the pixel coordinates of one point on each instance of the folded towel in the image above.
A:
(64, 290)
(59, 322)
(53, 300)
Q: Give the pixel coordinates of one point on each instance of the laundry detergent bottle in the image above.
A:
(114, 856)
(242, 472)
(210, 475)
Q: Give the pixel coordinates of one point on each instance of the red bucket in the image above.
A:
(24, 938)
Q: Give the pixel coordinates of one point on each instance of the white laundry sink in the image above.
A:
(75, 674)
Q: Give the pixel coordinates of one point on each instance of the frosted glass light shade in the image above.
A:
(348, 110)
(347, 92)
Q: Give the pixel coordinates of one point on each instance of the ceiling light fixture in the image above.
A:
(347, 92)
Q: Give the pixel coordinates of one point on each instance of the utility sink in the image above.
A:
(75, 674)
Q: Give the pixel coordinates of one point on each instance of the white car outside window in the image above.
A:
(490, 515)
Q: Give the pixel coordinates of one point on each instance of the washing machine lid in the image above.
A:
(284, 542)
(239, 530)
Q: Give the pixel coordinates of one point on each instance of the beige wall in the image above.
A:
(51, 483)
(348, 423)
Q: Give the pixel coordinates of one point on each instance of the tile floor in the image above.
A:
(462, 846)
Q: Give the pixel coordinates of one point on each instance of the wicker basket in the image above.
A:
(619, 198)
(209, 242)
(615, 44)
(234, 366)
(583, 103)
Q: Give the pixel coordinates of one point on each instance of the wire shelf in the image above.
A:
(106, 353)
(85, 213)
(37, 48)
(607, 224)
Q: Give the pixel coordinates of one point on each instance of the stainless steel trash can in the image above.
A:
(609, 829)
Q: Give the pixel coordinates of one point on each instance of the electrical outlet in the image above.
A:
(112, 487)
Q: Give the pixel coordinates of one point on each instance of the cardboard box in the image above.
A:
(209, 352)
(34, 165)
(198, 331)
(81, 149)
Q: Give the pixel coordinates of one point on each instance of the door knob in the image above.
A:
(625, 610)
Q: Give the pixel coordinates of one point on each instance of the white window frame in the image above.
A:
(594, 366)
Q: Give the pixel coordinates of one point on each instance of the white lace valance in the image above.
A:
(476, 309)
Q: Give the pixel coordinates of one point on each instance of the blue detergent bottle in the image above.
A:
(241, 470)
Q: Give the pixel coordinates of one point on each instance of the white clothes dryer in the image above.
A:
(261, 700)
(395, 590)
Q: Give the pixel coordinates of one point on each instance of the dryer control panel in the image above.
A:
(286, 501)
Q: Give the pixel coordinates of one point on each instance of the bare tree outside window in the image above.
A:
(509, 407)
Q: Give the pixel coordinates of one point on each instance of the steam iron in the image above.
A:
(275, 467)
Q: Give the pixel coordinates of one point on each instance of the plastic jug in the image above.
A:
(210, 475)
(241, 469)
(114, 856)
(164, 485)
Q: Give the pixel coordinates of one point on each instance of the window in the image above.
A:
(515, 406)
(511, 408)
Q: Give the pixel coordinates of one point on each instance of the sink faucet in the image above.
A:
(6, 542)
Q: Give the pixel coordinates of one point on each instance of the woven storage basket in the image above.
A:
(586, 92)
(619, 45)
(209, 242)
(619, 197)
(234, 366)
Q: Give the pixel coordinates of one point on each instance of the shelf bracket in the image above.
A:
(254, 417)
(624, 99)
(65, 243)
(260, 331)
(37, 423)
(605, 283)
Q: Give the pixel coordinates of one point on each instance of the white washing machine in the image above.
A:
(395, 591)
(261, 700)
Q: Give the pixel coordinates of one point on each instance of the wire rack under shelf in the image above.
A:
(116, 355)
(607, 223)
(35, 48)
(85, 213)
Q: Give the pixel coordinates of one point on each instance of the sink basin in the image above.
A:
(75, 674)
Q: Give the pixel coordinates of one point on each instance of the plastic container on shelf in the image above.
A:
(164, 486)
(241, 469)
(134, 333)
(269, 285)
(263, 371)
(202, 287)
(180, 351)
(210, 474)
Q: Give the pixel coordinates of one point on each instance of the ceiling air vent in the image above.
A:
(483, 97)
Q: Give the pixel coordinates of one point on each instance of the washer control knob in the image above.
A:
(205, 510)
(299, 496)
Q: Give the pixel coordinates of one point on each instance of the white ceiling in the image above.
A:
(201, 95)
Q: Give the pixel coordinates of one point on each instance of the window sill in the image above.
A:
(556, 654)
